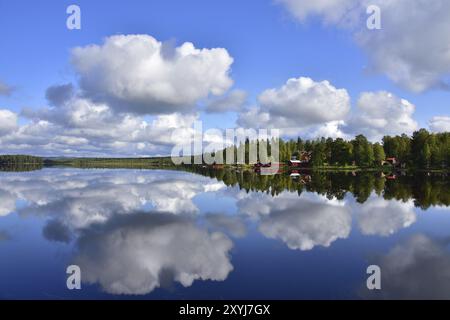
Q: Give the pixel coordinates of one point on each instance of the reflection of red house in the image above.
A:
(295, 174)
(262, 165)
(304, 179)
(269, 170)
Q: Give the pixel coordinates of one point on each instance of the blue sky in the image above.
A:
(268, 45)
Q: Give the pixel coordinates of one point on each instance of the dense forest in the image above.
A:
(422, 150)
(20, 163)
(20, 159)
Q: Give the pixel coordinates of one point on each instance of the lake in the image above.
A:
(223, 234)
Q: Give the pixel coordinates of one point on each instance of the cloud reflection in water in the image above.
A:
(135, 231)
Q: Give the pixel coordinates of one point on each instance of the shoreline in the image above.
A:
(166, 163)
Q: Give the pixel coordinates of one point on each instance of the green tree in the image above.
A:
(319, 154)
(362, 151)
(419, 157)
(378, 153)
(425, 156)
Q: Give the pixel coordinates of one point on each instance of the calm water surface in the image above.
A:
(222, 235)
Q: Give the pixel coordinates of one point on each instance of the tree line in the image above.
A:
(421, 150)
(20, 163)
(20, 160)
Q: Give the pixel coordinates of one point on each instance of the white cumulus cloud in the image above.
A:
(8, 121)
(138, 253)
(300, 106)
(382, 113)
(411, 48)
(137, 73)
(384, 217)
(301, 222)
(80, 127)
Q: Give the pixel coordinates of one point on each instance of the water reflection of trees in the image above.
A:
(15, 167)
(425, 189)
